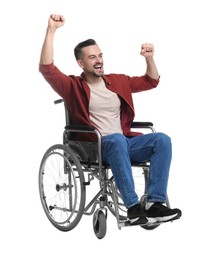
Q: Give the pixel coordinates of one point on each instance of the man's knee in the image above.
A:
(163, 140)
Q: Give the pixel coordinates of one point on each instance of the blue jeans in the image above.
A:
(119, 151)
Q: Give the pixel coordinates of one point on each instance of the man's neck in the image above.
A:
(93, 80)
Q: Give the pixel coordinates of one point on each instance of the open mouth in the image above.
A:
(98, 67)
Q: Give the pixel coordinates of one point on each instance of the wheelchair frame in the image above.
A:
(62, 184)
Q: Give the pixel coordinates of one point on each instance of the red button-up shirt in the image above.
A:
(76, 94)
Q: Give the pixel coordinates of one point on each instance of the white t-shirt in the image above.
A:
(104, 109)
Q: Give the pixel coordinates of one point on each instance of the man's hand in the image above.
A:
(55, 21)
(147, 50)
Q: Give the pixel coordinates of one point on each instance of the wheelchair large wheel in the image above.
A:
(61, 187)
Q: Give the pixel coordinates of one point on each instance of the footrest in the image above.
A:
(148, 225)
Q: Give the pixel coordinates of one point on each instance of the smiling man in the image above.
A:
(90, 59)
(105, 102)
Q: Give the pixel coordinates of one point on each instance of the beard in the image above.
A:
(98, 74)
(95, 72)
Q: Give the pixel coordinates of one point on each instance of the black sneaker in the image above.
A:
(137, 215)
(160, 213)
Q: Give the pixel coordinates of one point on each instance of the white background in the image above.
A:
(181, 106)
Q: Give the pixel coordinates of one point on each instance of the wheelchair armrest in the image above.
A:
(80, 128)
(141, 124)
(92, 128)
(58, 101)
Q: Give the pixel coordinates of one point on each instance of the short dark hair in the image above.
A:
(78, 48)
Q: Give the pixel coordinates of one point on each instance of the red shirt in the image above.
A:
(76, 94)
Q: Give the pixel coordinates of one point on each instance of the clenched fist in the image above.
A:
(55, 21)
(147, 50)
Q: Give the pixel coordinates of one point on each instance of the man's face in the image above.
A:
(92, 61)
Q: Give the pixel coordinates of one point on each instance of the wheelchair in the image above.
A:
(66, 171)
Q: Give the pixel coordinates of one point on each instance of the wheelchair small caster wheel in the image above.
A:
(99, 224)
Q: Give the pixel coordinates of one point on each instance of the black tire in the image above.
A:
(61, 187)
(99, 224)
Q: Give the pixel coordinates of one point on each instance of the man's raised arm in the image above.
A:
(55, 21)
(147, 50)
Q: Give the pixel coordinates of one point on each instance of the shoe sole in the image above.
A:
(138, 221)
(163, 219)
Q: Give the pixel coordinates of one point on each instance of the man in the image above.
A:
(105, 102)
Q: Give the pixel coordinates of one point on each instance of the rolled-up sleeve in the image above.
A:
(57, 79)
(143, 83)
